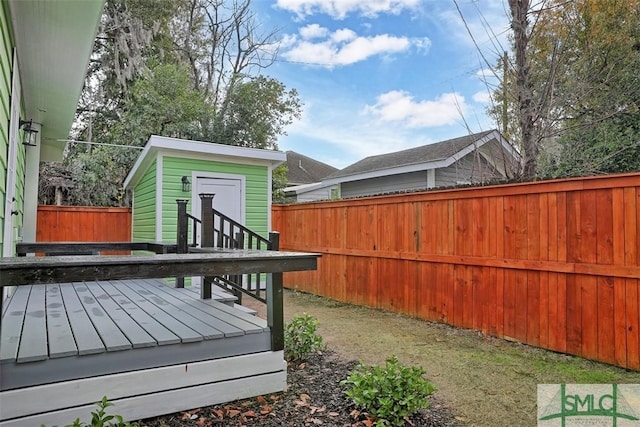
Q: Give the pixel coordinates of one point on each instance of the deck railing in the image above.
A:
(223, 232)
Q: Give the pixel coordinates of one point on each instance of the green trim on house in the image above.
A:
(144, 207)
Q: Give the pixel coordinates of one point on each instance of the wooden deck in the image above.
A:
(75, 330)
(149, 347)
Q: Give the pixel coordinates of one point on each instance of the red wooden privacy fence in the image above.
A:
(83, 224)
(553, 264)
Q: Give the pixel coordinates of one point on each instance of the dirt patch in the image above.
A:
(486, 381)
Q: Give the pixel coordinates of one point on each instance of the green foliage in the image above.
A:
(300, 337)
(390, 392)
(605, 147)
(99, 418)
(255, 113)
(278, 183)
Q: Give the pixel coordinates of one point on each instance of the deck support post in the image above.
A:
(275, 300)
(181, 238)
(207, 232)
(275, 310)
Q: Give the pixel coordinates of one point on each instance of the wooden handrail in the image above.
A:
(90, 248)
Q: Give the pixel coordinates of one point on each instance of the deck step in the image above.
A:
(247, 310)
(217, 293)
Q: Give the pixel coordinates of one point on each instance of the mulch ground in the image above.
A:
(314, 397)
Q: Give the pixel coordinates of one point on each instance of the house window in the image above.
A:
(335, 193)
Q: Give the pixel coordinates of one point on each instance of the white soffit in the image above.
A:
(54, 40)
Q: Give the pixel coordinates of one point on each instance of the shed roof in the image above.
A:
(199, 150)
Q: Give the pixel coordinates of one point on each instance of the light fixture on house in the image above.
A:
(186, 184)
(30, 133)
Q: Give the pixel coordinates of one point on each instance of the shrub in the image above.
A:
(99, 418)
(388, 393)
(300, 337)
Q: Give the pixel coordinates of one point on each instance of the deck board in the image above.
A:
(33, 342)
(12, 323)
(87, 339)
(182, 313)
(182, 331)
(134, 333)
(110, 333)
(59, 334)
(230, 325)
(161, 334)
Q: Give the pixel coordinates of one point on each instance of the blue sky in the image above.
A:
(377, 76)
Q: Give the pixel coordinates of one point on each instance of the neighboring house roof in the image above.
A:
(54, 40)
(305, 170)
(197, 150)
(431, 156)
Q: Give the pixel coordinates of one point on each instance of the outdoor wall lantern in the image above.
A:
(186, 184)
(30, 133)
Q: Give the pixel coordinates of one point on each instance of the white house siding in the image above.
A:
(386, 184)
(318, 194)
(472, 168)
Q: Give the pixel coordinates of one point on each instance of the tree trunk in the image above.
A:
(526, 115)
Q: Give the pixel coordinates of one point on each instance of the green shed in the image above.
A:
(169, 169)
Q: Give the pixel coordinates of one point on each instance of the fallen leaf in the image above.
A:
(249, 414)
(333, 414)
(304, 397)
(261, 400)
(219, 413)
(203, 421)
(301, 403)
(355, 413)
(233, 412)
(265, 409)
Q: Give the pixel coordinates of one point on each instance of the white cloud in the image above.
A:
(482, 97)
(316, 45)
(339, 9)
(313, 31)
(400, 106)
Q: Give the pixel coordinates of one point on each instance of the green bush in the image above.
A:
(300, 337)
(100, 418)
(389, 393)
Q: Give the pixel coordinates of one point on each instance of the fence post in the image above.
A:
(182, 231)
(275, 301)
(206, 239)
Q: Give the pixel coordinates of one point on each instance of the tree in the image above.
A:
(184, 68)
(581, 60)
(255, 113)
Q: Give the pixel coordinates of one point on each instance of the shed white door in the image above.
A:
(228, 197)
